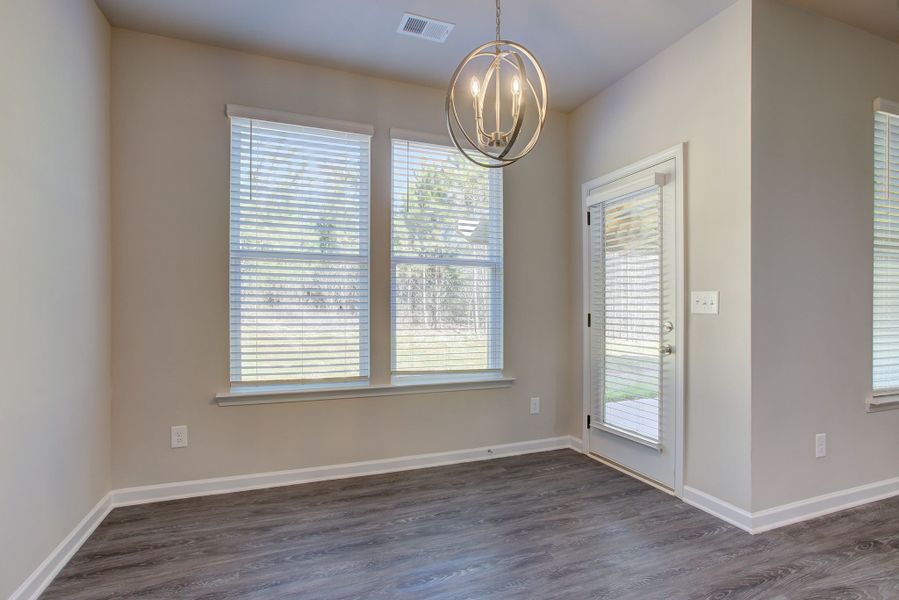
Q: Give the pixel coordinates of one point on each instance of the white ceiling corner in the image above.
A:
(880, 17)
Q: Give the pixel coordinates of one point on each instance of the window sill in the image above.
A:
(884, 402)
(274, 395)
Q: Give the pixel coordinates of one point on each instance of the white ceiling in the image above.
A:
(880, 17)
(583, 45)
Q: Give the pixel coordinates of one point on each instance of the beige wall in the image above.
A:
(170, 275)
(697, 92)
(54, 264)
(814, 81)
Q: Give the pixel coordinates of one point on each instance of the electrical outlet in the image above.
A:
(704, 303)
(535, 406)
(821, 445)
(179, 436)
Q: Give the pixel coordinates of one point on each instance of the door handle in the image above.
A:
(666, 349)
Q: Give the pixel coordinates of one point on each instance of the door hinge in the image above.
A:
(589, 320)
(588, 217)
(588, 421)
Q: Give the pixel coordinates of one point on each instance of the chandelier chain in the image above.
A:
(498, 10)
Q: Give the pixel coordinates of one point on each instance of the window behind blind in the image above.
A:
(446, 262)
(886, 253)
(299, 253)
(626, 305)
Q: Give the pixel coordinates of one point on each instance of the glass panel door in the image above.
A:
(632, 297)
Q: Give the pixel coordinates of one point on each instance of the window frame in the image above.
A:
(250, 393)
(497, 344)
(879, 398)
(275, 386)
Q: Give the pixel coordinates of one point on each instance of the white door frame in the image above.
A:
(676, 153)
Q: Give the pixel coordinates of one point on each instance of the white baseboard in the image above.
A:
(576, 444)
(254, 481)
(38, 581)
(719, 508)
(793, 512)
(818, 506)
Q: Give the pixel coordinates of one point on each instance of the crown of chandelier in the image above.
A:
(496, 102)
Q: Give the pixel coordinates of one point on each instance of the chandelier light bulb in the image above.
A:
(475, 87)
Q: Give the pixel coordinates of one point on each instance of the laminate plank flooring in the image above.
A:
(547, 526)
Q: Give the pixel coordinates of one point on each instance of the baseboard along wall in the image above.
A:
(41, 577)
(793, 512)
(756, 522)
(38, 581)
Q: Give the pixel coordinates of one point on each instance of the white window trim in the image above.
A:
(887, 106)
(438, 139)
(883, 400)
(245, 395)
(278, 116)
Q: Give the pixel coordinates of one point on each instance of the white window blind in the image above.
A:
(626, 263)
(886, 253)
(447, 262)
(299, 309)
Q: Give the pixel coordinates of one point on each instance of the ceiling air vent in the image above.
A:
(425, 28)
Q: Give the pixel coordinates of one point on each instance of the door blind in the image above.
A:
(447, 262)
(299, 253)
(886, 253)
(626, 271)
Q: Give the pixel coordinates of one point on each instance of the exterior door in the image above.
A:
(633, 329)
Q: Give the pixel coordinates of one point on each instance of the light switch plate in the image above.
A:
(704, 303)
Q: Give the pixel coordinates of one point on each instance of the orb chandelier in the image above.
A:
(496, 102)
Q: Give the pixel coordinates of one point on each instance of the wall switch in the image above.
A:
(820, 445)
(704, 303)
(535, 406)
(179, 436)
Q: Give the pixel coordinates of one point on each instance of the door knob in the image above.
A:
(666, 349)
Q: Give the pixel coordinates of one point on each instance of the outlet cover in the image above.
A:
(821, 445)
(535, 406)
(179, 436)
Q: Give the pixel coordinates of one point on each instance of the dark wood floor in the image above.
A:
(543, 526)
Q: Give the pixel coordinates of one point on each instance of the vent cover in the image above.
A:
(425, 28)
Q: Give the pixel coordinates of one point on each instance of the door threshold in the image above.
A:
(634, 474)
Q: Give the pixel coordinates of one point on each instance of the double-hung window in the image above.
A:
(299, 252)
(446, 264)
(886, 250)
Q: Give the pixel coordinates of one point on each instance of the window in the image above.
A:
(886, 249)
(299, 252)
(446, 263)
(627, 305)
